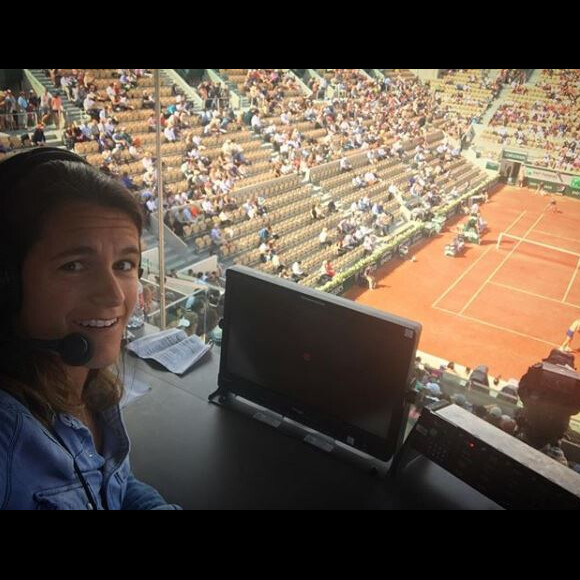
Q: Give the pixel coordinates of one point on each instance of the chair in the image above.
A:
(480, 375)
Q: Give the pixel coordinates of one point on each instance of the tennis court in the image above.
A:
(502, 305)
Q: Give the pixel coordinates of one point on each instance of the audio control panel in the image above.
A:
(503, 468)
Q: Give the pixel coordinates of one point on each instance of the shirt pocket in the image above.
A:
(117, 487)
(69, 497)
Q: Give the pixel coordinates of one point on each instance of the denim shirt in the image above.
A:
(37, 471)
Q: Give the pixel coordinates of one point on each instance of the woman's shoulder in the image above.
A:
(12, 414)
(10, 405)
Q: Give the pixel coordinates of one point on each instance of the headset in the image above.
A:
(74, 349)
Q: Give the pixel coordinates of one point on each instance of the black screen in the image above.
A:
(335, 365)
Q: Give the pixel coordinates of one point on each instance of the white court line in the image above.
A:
(497, 327)
(433, 305)
(557, 236)
(522, 291)
(461, 277)
(571, 281)
(470, 301)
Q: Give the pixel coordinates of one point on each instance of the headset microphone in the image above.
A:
(74, 349)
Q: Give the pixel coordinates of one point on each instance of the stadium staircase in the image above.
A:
(71, 112)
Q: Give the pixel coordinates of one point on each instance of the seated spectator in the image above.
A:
(323, 238)
(349, 242)
(38, 137)
(327, 271)
(128, 182)
(344, 164)
(297, 272)
(264, 234)
(460, 400)
(276, 262)
(450, 368)
(368, 245)
(494, 415)
(316, 212)
(370, 178)
(507, 424)
(263, 251)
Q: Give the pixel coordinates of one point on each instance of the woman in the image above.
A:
(69, 262)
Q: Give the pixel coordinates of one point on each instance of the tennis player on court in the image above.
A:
(574, 327)
(552, 205)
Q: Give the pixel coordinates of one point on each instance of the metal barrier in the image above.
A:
(216, 103)
(17, 121)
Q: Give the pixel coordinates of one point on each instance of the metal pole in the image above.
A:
(160, 201)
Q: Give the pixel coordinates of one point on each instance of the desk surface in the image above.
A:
(203, 456)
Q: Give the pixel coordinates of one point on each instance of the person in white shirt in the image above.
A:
(368, 245)
(263, 249)
(393, 189)
(323, 238)
(344, 164)
(256, 123)
(349, 242)
(297, 272)
(152, 204)
(147, 161)
(182, 197)
(276, 263)
(208, 208)
(89, 102)
(169, 134)
(224, 217)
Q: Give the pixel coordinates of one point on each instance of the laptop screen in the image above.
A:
(326, 362)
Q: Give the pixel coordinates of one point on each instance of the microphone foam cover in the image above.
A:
(76, 350)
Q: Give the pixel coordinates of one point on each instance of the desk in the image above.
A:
(202, 456)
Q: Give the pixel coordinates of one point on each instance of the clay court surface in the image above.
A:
(503, 307)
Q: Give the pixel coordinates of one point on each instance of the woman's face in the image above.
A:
(81, 276)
